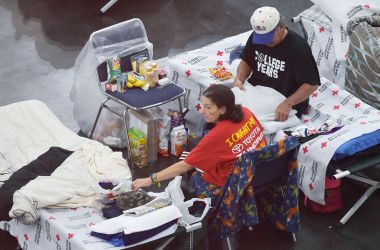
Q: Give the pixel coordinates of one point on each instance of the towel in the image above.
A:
(263, 101)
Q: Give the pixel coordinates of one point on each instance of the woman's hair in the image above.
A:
(223, 96)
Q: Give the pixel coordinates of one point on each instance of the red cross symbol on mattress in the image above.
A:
(306, 120)
(357, 105)
(198, 107)
(188, 74)
(70, 235)
(315, 94)
(219, 63)
(219, 53)
(335, 92)
(321, 29)
(26, 237)
(311, 186)
(323, 144)
(305, 150)
(58, 237)
(51, 218)
(336, 107)
(366, 6)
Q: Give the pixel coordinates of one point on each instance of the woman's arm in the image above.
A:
(167, 173)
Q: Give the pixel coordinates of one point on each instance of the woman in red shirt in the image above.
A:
(235, 131)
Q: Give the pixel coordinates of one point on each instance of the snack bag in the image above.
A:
(137, 142)
(113, 67)
(178, 139)
(220, 72)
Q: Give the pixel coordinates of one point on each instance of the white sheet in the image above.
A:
(263, 101)
(330, 101)
(341, 12)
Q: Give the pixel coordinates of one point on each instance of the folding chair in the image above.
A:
(127, 39)
(273, 166)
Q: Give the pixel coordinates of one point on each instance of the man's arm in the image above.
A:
(302, 93)
(242, 73)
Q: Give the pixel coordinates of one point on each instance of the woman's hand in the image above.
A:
(139, 183)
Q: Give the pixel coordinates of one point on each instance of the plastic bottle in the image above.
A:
(149, 77)
(155, 72)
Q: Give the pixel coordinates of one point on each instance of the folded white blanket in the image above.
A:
(263, 101)
(72, 184)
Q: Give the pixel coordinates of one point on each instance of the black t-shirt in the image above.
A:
(284, 67)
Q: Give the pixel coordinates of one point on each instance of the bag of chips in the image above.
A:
(113, 67)
(178, 140)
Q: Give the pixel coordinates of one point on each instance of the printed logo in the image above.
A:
(237, 148)
(269, 65)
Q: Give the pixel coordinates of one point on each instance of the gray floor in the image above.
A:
(40, 39)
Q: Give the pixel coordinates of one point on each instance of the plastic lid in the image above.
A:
(149, 69)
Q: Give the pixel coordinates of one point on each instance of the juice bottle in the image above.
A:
(149, 77)
(155, 72)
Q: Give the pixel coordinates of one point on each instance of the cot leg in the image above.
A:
(374, 185)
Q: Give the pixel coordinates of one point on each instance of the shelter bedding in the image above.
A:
(73, 183)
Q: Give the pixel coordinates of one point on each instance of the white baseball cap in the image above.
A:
(264, 21)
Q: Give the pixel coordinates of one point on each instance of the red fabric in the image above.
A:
(219, 149)
(333, 198)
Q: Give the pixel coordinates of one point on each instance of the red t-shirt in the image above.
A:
(218, 150)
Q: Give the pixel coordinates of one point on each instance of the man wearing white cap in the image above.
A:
(278, 58)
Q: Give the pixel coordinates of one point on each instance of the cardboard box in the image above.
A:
(145, 121)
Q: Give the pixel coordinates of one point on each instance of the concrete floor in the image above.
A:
(40, 39)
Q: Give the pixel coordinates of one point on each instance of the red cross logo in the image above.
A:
(363, 123)
(91, 224)
(70, 235)
(305, 150)
(188, 74)
(315, 94)
(51, 218)
(306, 120)
(357, 105)
(58, 237)
(335, 92)
(336, 107)
(219, 63)
(311, 186)
(26, 237)
(213, 83)
(321, 29)
(366, 6)
(219, 53)
(198, 107)
(323, 144)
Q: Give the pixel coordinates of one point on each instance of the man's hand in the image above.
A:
(139, 183)
(239, 84)
(282, 111)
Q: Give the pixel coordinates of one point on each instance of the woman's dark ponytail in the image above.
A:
(237, 114)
